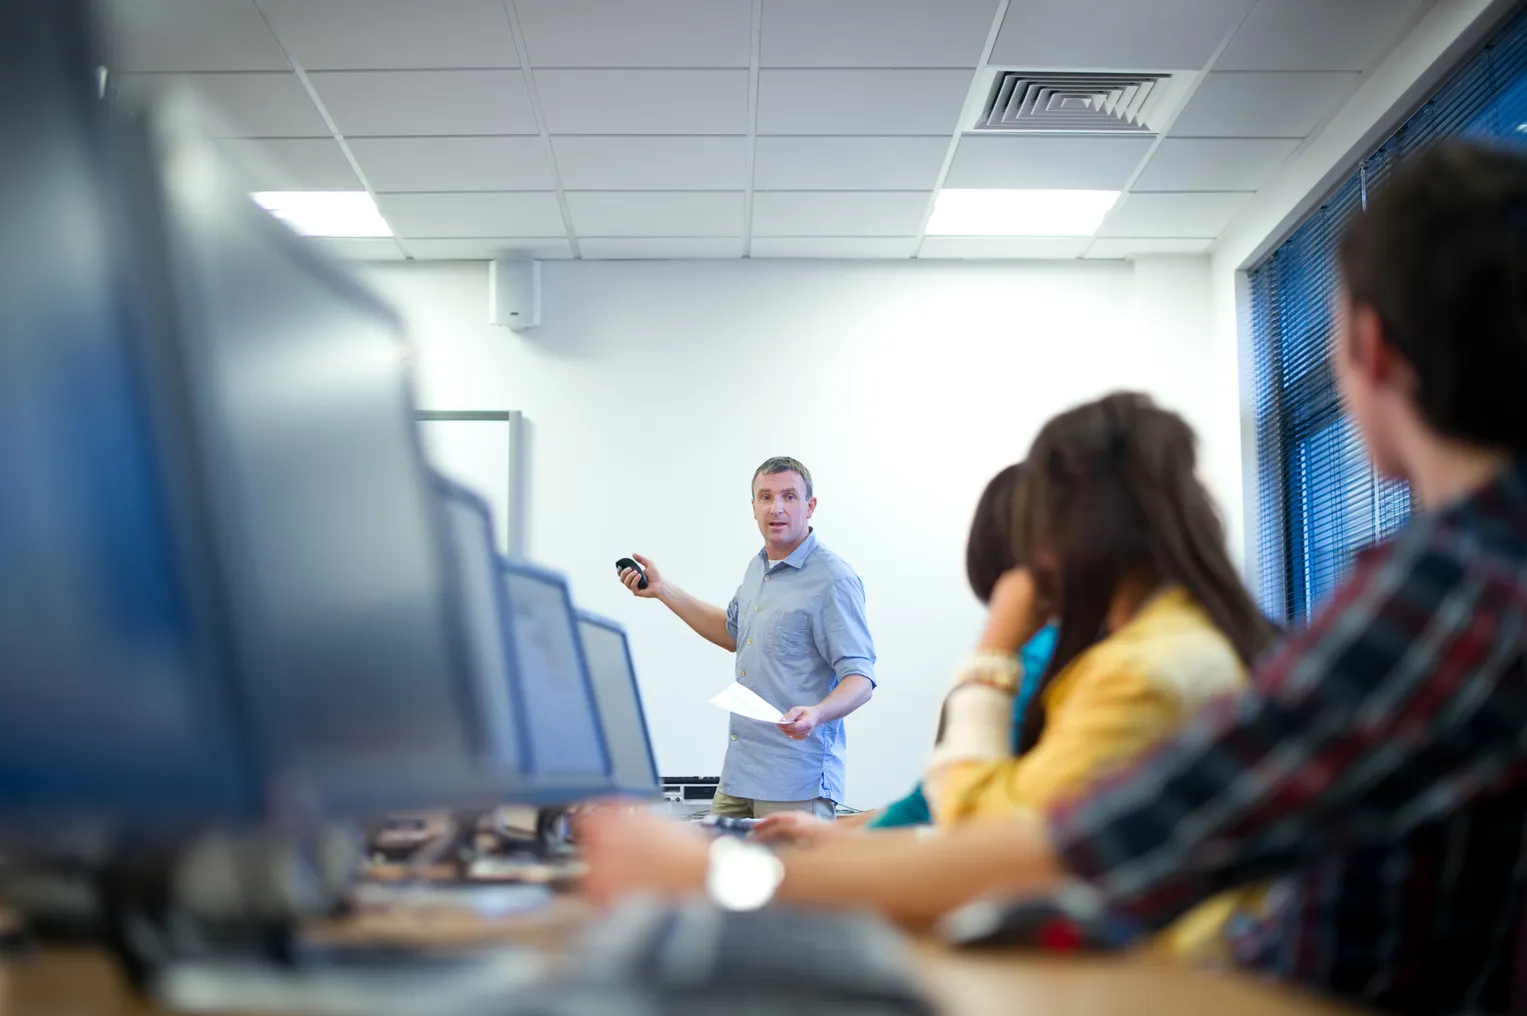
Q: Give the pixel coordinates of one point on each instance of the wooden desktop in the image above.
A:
(81, 982)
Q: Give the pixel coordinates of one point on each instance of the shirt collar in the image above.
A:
(1504, 497)
(798, 556)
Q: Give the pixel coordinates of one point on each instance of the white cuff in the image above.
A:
(978, 726)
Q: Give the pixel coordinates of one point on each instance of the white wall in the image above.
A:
(655, 388)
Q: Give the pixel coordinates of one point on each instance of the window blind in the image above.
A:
(1319, 499)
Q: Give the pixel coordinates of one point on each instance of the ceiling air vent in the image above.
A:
(1070, 103)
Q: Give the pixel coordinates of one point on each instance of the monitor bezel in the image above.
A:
(560, 788)
(448, 489)
(615, 627)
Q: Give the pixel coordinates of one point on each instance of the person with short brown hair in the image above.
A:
(797, 626)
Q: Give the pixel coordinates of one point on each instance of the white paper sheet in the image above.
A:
(734, 698)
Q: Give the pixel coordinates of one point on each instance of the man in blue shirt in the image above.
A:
(797, 626)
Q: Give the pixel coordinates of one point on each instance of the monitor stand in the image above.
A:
(451, 844)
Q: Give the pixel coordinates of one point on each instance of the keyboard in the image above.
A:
(696, 959)
(722, 824)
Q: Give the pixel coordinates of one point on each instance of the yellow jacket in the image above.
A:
(1112, 704)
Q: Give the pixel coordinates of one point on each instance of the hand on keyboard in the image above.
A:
(801, 829)
(639, 853)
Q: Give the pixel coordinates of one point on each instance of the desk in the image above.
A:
(84, 983)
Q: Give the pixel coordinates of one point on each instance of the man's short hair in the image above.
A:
(1441, 256)
(781, 464)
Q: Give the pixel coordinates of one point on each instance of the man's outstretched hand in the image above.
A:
(630, 577)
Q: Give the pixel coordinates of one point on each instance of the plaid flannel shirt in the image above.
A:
(1378, 767)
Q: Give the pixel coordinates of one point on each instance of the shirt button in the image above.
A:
(766, 578)
(757, 609)
(734, 737)
(742, 673)
(750, 641)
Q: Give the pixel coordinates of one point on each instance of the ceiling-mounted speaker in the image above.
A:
(514, 293)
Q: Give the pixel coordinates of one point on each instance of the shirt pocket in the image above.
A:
(790, 634)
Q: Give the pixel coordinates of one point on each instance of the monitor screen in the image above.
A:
(111, 702)
(620, 704)
(561, 719)
(481, 595)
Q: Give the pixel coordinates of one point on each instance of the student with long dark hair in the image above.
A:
(1154, 621)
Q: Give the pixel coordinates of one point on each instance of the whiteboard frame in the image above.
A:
(518, 535)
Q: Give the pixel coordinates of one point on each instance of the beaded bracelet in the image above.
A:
(992, 669)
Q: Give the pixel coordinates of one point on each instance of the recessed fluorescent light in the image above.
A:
(326, 213)
(1019, 212)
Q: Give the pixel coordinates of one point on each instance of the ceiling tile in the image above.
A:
(486, 249)
(660, 213)
(359, 248)
(637, 33)
(632, 248)
(651, 163)
(1128, 247)
(644, 101)
(190, 35)
(1071, 163)
(1236, 105)
(453, 164)
(243, 105)
(874, 33)
(1318, 35)
(392, 34)
(985, 247)
(440, 216)
(1214, 164)
(310, 164)
(1122, 35)
(824, 163)
(395, 103)
(854, 247)
(860, 102)
(1179, 215)
(839, 213)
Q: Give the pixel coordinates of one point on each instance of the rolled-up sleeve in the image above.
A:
(731, 616)
(843, 632)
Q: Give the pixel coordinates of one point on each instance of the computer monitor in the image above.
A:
(608, 652)
(568, 757)
(114, 698)
(346, 622)
(226, 586)
(495, 684)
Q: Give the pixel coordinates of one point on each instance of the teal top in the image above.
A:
(1035, 656)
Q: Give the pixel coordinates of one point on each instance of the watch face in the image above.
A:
(742, 876)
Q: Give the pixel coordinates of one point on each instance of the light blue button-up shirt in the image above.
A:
(800, 629)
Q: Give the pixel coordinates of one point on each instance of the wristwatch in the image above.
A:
(741, 875)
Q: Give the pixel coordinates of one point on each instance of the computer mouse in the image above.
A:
(1071, 919)
(625, 563)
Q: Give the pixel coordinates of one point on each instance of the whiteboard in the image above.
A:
(476, 451)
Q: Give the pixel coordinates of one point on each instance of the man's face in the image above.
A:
(781, 508)
(1360, 363)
